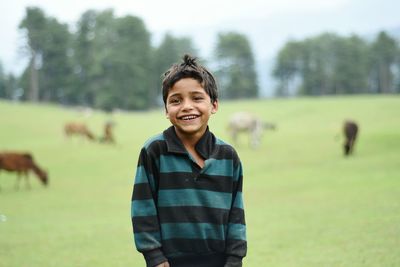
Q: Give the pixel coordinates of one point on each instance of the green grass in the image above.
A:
(306, 204)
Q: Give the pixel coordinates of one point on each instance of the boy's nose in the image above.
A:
(187, 104)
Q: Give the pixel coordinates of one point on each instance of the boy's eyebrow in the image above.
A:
(175, 94)
(190, 92)
(197, 92)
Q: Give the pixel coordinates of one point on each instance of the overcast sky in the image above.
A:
(267, 23)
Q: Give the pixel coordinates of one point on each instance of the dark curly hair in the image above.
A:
(189, 68)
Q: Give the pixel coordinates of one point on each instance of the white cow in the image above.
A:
(249, 123)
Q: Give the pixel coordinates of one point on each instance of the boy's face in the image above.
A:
(189, 107)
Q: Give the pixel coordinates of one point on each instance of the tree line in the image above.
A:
(107, 62)
(330, 64)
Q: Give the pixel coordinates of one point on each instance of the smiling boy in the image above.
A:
(187, 206)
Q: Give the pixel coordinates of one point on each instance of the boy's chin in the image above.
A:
(189, 129)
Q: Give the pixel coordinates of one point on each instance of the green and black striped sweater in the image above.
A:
(182, 211)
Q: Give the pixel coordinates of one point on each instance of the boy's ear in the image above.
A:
(166, 113)
(214, 107)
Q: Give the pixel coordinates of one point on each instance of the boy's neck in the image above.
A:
(189, 140)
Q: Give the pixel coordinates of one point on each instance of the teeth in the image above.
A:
(189, 117)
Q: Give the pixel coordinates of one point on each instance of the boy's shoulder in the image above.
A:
(153, 139)
(219, 141)
(227, 147)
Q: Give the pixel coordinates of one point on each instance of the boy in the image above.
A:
(187, 208)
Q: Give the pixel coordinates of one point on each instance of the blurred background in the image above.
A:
(80, 94)
(92, 53)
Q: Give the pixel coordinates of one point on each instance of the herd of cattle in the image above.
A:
(76, 128)
(241, 122)
(23, 163)
(254, 127)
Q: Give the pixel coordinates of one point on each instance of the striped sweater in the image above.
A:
(180, 210)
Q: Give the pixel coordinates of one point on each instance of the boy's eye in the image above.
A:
(174, 101)
(198, 98)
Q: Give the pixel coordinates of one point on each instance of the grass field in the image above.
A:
(306, 204)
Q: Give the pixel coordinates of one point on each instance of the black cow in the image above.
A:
(350, 130)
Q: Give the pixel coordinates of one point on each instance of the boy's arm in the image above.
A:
(236, 244)
(144, 212)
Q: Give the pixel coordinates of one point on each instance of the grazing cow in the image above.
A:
(350, 130)
(22, 163)
(247, 122)
(77, 129)
(108, 135)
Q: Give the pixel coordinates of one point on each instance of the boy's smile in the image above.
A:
(189, 107)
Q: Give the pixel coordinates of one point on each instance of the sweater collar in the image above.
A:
(205, 146)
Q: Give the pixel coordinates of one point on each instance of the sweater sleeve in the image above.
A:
(236, 246)
(145, 222)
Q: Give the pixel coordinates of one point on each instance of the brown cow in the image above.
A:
(74, 128)
(108, 134)
(22, 163)
(350, 130)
